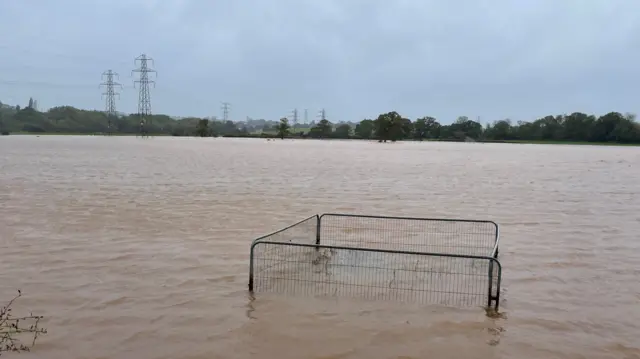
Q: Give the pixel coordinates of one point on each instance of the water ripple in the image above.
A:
(139, 248)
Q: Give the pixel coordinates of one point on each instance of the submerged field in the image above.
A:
(139, 248)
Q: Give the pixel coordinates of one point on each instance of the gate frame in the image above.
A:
(493, 300)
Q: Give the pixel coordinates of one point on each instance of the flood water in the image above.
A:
(137, 248)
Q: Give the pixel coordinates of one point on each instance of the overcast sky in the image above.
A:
(495, 59)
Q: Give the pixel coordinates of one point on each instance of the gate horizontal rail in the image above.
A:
(442, 235)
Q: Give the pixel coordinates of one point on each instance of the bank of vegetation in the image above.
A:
(577, 127)
(18, 333)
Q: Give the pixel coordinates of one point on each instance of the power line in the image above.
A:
(48, 53)
(43, 51)
(44, 84)
(226, 107)
(110, 94)
(144, 95)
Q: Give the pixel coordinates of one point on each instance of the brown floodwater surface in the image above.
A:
(138, 248)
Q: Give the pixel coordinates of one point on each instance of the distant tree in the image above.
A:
(420, 128)
(3, 131)
(382, 126)
(426, 127)
(283, 128)
(499, 130)
(462, 129)
(625, 130)
(390, 127)
(343, 131)
(604, 128)
(202, 129)
(407, 128)
(229, 128)
(243, 130)
(323, 129)
(364, 129)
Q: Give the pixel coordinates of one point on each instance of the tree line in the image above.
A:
(576, 127)
(612, 127)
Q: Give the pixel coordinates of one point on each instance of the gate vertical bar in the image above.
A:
(318, 220)
(490, 292)
(251, 267)
(497, 297)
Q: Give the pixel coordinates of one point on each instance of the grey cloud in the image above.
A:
(494, 59)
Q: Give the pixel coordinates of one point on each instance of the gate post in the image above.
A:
(318, 232)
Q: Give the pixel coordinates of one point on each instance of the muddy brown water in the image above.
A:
(138, 248)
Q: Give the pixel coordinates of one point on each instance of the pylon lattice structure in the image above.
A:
(323, 115)
(144, 94)
(110, 96)
(294, 118)
(225, 111)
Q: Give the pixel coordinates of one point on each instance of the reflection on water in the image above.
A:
(139, 248)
